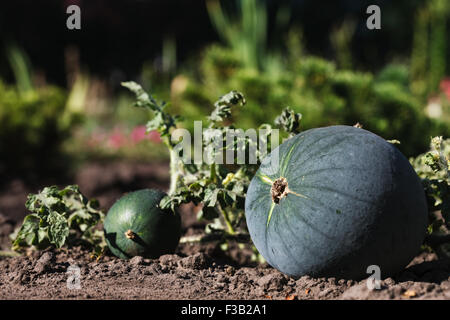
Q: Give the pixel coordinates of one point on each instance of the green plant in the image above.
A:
(429, 52)
(434, 169)
(60, 217)
(332, 201)
(162, 122)
(37, 120)
(341, 40)
(136, 226)
(390, 102)
(383, 103)
(20, 66)
(34, 122)
(247, 35)
(439, 13)
(219, 188)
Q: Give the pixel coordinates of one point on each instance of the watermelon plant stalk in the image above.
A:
(162, 122)
(174, 171)
(226, 218)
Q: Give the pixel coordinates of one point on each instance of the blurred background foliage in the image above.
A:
(33, 121)
(60, 95)
(391, 101)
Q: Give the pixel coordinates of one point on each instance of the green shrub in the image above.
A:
(33, 125)
(324, 94)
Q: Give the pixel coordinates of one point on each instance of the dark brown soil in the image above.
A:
(195, 271)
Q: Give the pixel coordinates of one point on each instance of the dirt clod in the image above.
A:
(136, 261)
(44, 262)
(273, 281)
(197, 261)
(169, 260)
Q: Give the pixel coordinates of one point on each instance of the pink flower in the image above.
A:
(96, 139)
(154, 136)
(139, 133)
(117, 139)
(445, 87)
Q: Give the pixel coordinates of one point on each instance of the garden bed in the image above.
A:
(196, 271)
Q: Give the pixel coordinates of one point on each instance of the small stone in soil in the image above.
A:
(136, 261)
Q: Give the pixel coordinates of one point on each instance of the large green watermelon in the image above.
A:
(136, 226)
(332, 201)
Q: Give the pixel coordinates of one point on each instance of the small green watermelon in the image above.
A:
(136, 226)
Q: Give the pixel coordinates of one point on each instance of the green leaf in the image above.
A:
(58, 229)
(223, 106)
(28, 232)
(211, 194)
(157, 123)
(42, 234)
(208, 213)
(143, 99)
(289, 121)
(215, 226)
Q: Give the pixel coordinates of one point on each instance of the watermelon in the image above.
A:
(136, 226)
(333, 201)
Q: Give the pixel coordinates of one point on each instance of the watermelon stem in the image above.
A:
(130, 234)
(279, 189)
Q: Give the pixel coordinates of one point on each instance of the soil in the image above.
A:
(195, 271)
